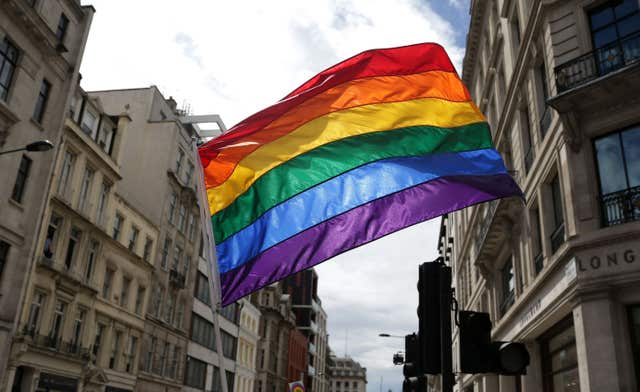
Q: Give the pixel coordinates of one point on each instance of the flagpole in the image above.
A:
(209, 248)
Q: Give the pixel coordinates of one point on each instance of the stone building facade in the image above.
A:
(559, 271)
(346, 375)
(41, 47)
(248, 338)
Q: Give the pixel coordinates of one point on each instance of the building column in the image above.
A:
(9, 376)
(597, 363)
(491, 383)
(507, 383)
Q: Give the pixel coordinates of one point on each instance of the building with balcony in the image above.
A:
(276, 324)
(83, 315)
(41, 47)
(346, 375)
(247, 347)
(311, 320)
(557, 270)
(163, 186)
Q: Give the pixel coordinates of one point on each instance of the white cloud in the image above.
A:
(234, 58)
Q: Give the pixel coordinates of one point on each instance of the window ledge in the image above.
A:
(36, 124)
(16, 204)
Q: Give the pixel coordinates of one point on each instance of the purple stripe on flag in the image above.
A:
(361, 225)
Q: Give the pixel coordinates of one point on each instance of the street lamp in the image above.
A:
(37, 146)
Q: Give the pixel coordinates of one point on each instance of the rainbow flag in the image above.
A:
(379, 142)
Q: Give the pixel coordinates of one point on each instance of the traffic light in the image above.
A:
(411, 366)
(429, 317)
(478, 354)
(415, 384)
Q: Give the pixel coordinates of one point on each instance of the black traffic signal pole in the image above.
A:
(445, 329)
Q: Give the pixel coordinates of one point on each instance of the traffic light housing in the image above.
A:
(478, 354)
(429, 317)
(411, 366)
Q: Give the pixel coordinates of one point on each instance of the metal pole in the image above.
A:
(212, 264)
(445, 330)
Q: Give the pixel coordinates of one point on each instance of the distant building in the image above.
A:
(346, 375)
(41, 47)
(248, 338)
(311, 320)
(276, 325)
(297, 363)
(559, 82)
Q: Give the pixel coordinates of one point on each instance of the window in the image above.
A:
(148, 361)
(173, 364)
(179, 160)
(102, 203)
(92, 253)
(85, 188)
(560, 358)
(557, 235)
(179, 313)
(163, 358)
(8, 61)
(168, 308)
(228, 345)
(543, 94)
(185, 267)
(534, 219)
(105, 139)
(148, 245)
(613, 27)
(115, 348)
(57, 323)
(140, 299)
(202, 332)
(230, 312)
(4, 252)
(196, 373)
(117, 226)
(508, 286)
(88, 123)
(189, 173)
(97, 341)
(41, 101)
(527, 141)
(172, 206)
(124, 292)
(106, 286)
(202, 288)
(63, 24)
(66, 173)
(515, 30)
(21, 179)
(177, 255)
(157, 300)
(34, 313)
(230, 379)
(130, 355)
(182, 217)
(634, 330)
(192, 227)
(77, 330)
(618, 162)
(165, 253)
(74, 240)
(133, 239)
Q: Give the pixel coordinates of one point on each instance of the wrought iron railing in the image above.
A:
(598, 63)
(176, 278)
(557, 238)
(620, 207)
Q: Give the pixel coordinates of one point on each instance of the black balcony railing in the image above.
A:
(598, 63)
(176, 279)
(620, 207)
(557, 238)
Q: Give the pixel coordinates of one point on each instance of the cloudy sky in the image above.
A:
(234, 58)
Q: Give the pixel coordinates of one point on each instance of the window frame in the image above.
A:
(41, 101)
(9, 55)
(20, 185)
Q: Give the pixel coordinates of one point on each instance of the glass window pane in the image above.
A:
(601, 17)
(610, 164)
(631, 143)
(629, 26)
(605, 36)
(565, 337)
(564, 358)
(566, 381)
(626, 7)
